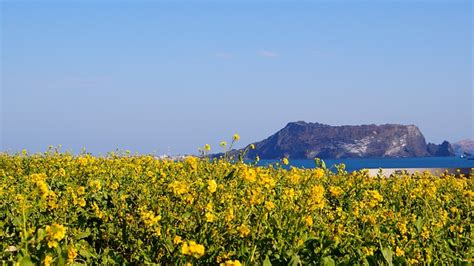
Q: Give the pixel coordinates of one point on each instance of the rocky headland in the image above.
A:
(302, 140)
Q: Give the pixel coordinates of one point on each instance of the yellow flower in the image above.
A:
(308, 221)
(95, 185)
(250, 175)
(289, 193)
(209, 206)
(177, 240)
(148, 217)
(82, 202)
(71, 254)
(55, 232)
(402, 227)
(207, 147)
(47, 260)
(97, 210)
(285, 161)
(191, 248)
(243, 230)
(426, 233)
(269, 205)
(368, 251)
(210, 217)
(196, 249)
(81, 190)
(52, 244)
(223, 144)
(373, 198)
(252, 146)
(399, 252)
(212, 185)
(295, 178)
(335, 191)
(317, 196)
(185, 249)
(192, 161)
(267, 180)
(178, 187)
(318, 172)
(229, 215)
(43, 187)
(236, 137)
(231, 263)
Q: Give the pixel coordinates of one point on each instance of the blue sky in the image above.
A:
(169, 77)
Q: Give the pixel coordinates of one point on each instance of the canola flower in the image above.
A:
(47, 260)
(231, 263)
(191, 248)
(308, 221)
(212, 185)
(136, 209)
(55, 233)
(177, 240)
(71, 254)
(244, 230)
(335, 191)
(236, 137)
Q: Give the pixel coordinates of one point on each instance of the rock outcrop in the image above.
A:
(301, 140)
(465, 146)
(443, 150)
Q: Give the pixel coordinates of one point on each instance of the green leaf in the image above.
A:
(365, 262)
(40, 235)
(388, 255)
(451, 242)
(61, 260)
(267, 262)
(320, 163)
(26, 261)
(17, 221)
(419, 223)
(328, 261)
(230, 175)
(295, 260)
(323, 164)
(86, 253)
(84, 234)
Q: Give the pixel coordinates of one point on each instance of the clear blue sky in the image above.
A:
(169, 77)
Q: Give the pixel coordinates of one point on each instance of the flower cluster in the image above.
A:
(55, 233)
(191, 248)
(59, 208)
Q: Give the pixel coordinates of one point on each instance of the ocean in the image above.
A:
(401, 163)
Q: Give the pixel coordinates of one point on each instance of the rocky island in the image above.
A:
(302, 140)
(464, 147)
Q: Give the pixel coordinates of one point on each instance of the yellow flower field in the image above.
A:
(56, 208)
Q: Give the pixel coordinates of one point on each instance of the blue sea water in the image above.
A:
(401, 163)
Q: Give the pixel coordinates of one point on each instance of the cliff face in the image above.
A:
(301, 140)
(443, 150)
(465, 146)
